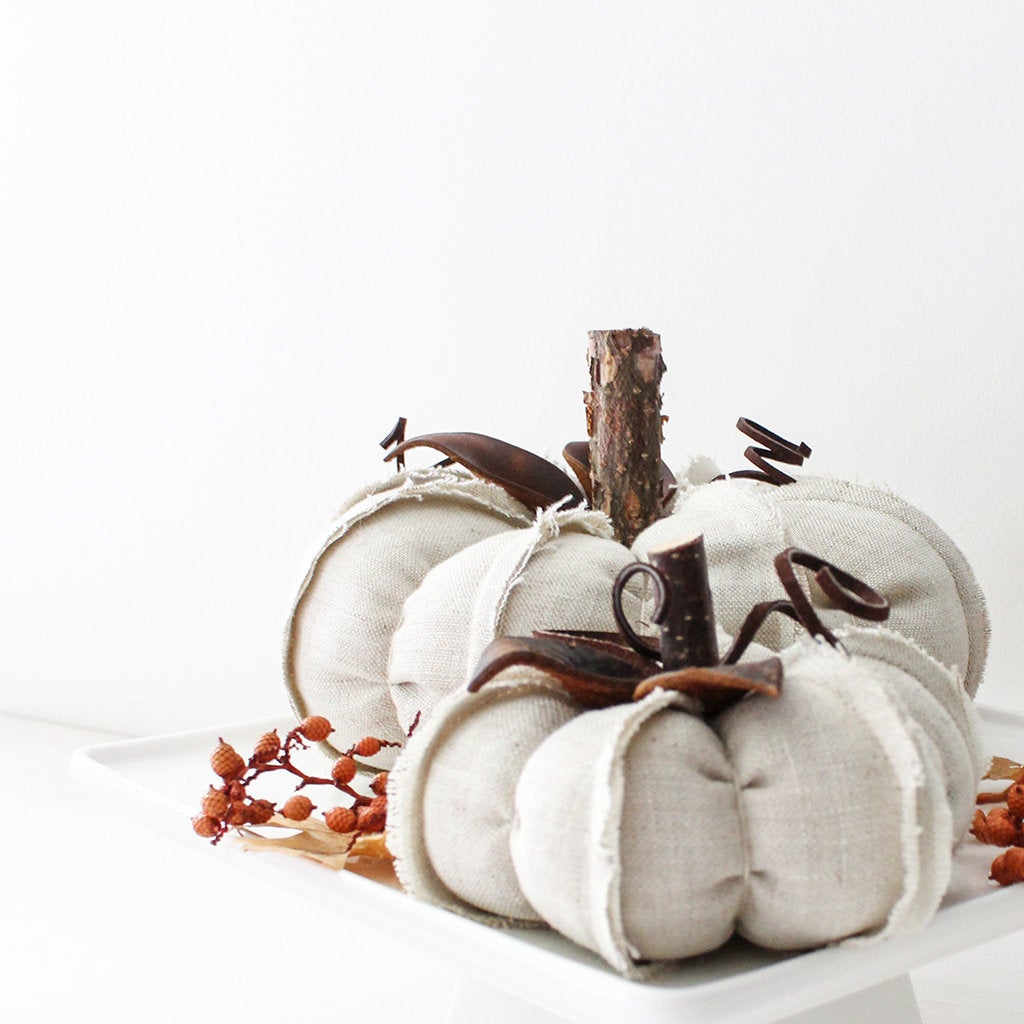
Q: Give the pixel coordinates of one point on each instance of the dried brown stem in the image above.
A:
(293, 739)
(687, 622)
(624, 424)
(998, 797)
(306, 780)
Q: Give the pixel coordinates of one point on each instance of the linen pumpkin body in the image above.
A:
(856, 786)
(644, 832)
(596, 876)
(378, 549)
(932, 591)
(451, 795)
(557, 574)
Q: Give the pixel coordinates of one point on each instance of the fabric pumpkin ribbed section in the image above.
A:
(646, 832)
(377, 551)
(933, 594)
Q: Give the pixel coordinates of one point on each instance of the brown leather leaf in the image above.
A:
(595, 672)
(610, 643)
(720, 686)
(528, 478)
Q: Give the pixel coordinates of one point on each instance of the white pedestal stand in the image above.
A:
(891, 1002)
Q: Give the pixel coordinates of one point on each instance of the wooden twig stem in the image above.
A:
(684, 611)
(624, 424)
(688, 636)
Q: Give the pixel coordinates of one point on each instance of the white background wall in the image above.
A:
(238, 239)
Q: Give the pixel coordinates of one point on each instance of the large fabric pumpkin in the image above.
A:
(419, 571)
(375, 553)
(934, 596)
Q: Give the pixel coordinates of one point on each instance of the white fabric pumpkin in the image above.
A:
(376, 552)
(419, 571)
(933, 594)
(645, 833)
(451, 792)
(557, 574)
(450, 795)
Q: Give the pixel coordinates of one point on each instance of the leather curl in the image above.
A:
(528, 478)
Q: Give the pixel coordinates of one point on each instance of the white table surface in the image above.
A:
(107, 920)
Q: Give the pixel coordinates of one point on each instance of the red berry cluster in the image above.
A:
(230, 805)
(1004, 826)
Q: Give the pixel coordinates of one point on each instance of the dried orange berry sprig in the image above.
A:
(1004, 826)
(230, 805)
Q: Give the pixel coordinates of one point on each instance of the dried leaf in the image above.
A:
(373, 844)
(251, 841)
(315, 841)
(1002, 768)
(720, 686)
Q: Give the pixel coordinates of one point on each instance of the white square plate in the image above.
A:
(164, 778)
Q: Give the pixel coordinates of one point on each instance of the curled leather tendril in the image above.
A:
(396, 437)
(846, 593)
(603, 669)
(528, 478)
(776, 448)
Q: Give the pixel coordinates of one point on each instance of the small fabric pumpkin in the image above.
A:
(827, 814)
(451, 793)
(655, 829)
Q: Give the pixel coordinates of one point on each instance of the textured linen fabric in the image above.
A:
(930, 695)
(865, 530)
(377, 550)
(557, 574)
(830, 814)
(627, 838)
(742, 536)
(450, 795)
(828, 817)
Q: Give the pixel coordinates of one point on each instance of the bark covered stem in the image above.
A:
(624, 424)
